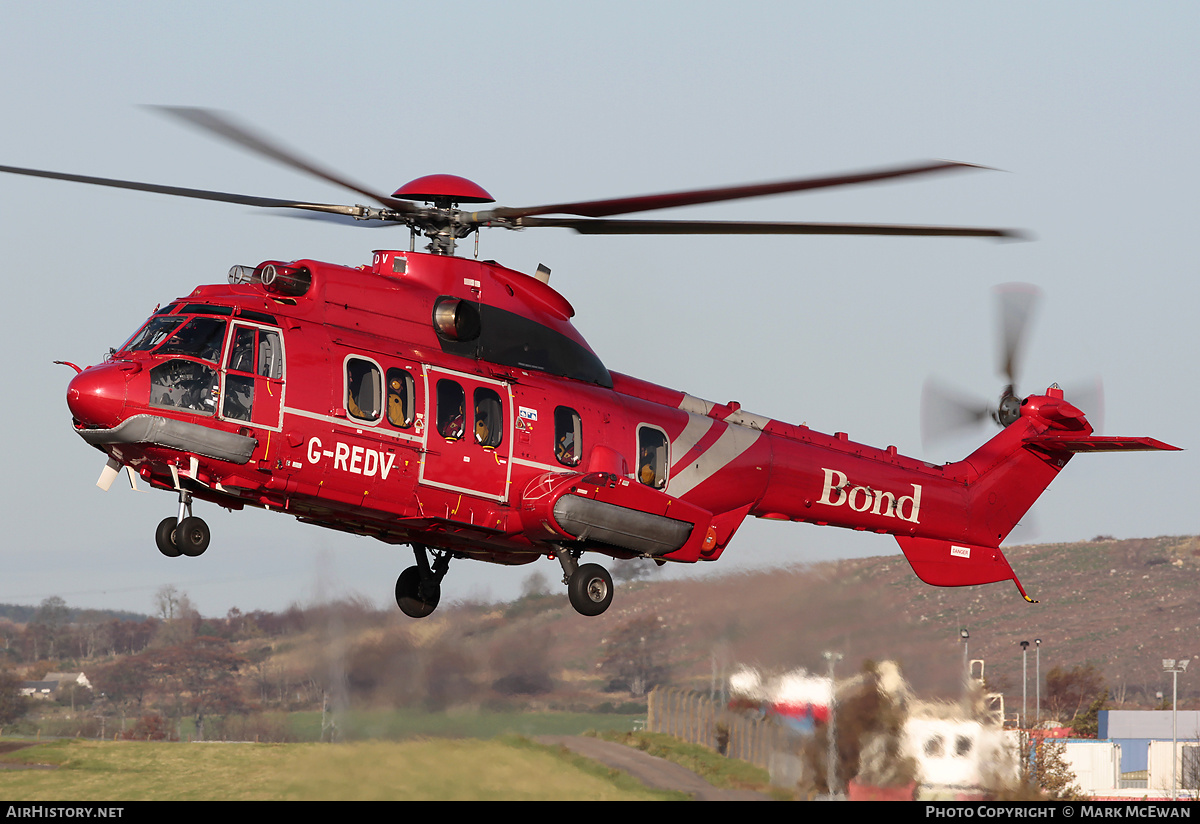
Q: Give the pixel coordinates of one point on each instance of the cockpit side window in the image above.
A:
(241, 352)
(270, 355)
(184, 384)
(238, 403)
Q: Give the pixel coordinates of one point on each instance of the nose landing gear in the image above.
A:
(183, 534)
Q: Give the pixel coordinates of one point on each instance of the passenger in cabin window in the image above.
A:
(489, 418)
(363, 389)
(565, 449)
(396, 412)
(647, 473)
(483, 429)
(353, 407)
(455, 425)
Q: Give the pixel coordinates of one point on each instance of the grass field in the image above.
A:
(424, 769)
(398, 724)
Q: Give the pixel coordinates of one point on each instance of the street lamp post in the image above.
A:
(1174, 667)
(1025, 683)
(831, 765)
(1037, 643)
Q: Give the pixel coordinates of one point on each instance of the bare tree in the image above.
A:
(178, 616)
(1075, 695)
(638, 655)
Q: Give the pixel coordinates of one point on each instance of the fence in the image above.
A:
(690, 716)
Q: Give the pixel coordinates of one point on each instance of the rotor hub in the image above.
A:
(443, 190)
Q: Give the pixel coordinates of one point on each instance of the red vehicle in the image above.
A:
(449, 404)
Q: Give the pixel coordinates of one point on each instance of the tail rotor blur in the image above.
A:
(947, 412)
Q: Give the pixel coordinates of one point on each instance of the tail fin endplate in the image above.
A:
(951, 563)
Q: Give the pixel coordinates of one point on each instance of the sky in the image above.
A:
(1085, 113)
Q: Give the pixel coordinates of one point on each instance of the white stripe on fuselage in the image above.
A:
(733, 442)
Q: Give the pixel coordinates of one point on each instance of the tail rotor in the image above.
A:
(949, 412)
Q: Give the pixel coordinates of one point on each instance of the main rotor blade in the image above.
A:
(178, 191)
(223, 126)
(587, 226)
(1017, 302)
(340, 219)
(645, 203)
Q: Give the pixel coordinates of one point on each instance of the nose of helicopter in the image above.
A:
(96, 396)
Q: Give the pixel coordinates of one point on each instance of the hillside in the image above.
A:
(1119, 605)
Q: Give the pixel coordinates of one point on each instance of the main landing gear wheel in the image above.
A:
(192, 536)
(590, 589)
(419, 588)
(416, 598)
(164, 536)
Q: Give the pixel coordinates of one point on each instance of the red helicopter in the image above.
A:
(449, 404)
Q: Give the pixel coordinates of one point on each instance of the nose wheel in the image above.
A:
(184, 534)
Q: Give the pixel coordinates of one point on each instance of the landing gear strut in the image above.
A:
(419, 588)
(183, 534)
(589, 587)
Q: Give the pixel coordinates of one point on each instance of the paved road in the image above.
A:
(656, 773)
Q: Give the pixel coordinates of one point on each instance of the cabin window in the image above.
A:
(401, 398)
(489, 418)
(451, 405)
(568, 436)
(652, 456)
(364, 390)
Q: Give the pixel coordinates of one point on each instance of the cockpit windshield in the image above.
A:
(188, 372)
(197, 337)
(152, 334)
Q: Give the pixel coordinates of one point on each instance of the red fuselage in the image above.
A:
(450, 403)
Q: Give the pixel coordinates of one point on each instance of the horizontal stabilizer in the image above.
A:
(1097, 443)
(955, 564)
